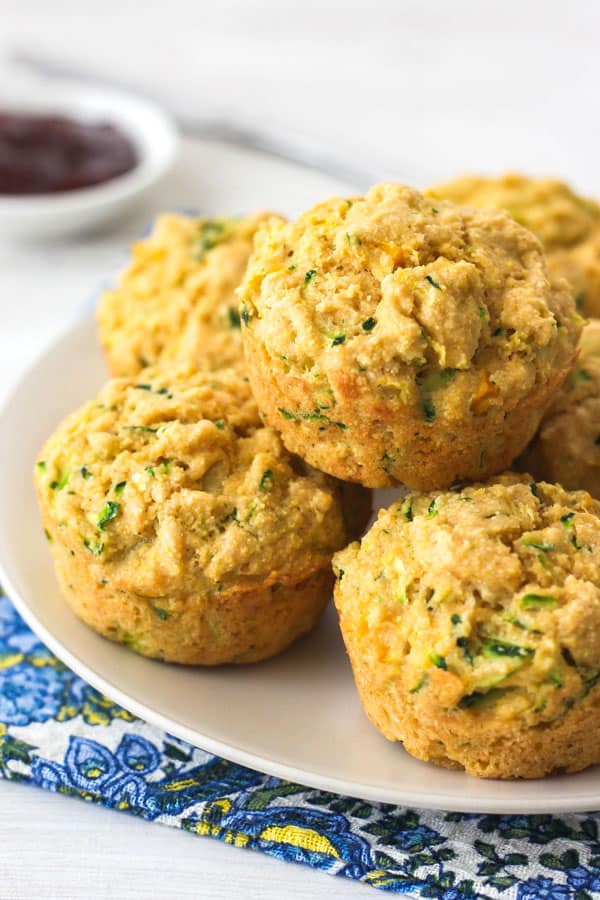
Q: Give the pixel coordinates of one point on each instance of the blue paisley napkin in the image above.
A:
(59, 733)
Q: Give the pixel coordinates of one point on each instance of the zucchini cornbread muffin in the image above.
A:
(567, 224)
(176, 300)
(472, 621)
(179, 524)
(392, 340)
(567, 446)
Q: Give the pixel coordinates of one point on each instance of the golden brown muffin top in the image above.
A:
(485, 598)
(175, 301)
(435, 304)
(549, 208)
(171, 482)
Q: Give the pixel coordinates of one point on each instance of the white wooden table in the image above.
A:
(419, 90)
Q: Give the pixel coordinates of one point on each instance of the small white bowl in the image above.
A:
(152, 132)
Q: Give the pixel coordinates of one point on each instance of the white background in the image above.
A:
(415, 90)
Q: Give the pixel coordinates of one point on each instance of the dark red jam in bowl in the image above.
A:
(45, 154)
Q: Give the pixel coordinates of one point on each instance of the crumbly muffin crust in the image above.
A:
(472, 621)
(393, 340)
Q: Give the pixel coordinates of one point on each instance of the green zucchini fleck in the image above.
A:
(234, 318)
(220, 424)
(432, 509)
(62, 481)
(210, 233)
(517, 623)
(438, 661)
(369, 324)
(534, 489)
(161, 613)
(386, 460)
(316, 416)
(430, 383)
(482, 312)
(495, 648)
(41, 466)
(48, 535)
(428, 408)
(544, 546)
(141, 428)
(567, 520)
(455, 619)
(579, 546)
(433, 283)
(231, 516)
(96, 548)
(266, 480)
(338, 339)
(419, 685)
(465, 646)
(406, 509)
(245, 315)
(537, 601)
(353, 239)
(128, 640)
(85, 472)
(119, 488)
(482, 698)
(110, 512)
(310, 276)
(143, 387)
